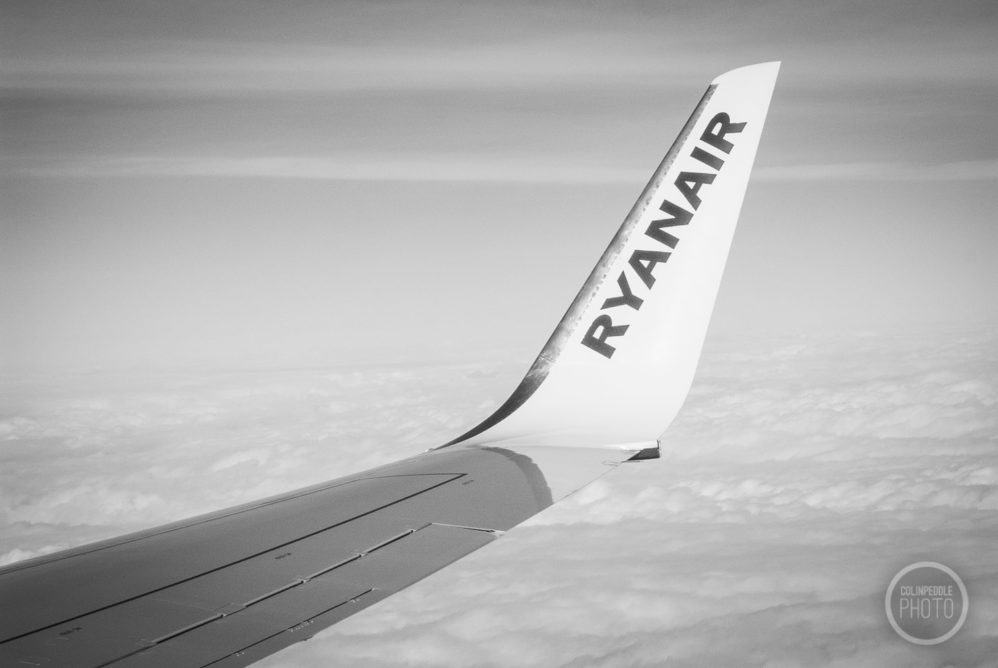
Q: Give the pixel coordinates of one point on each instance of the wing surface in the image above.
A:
(231, 587)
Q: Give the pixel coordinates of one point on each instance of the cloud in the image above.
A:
(801, 475)
(358, 46)
(967, 170)
(461, 168)
(111, 453)
(346, 167)
(219, 66)
(797, 480)
(17, 554)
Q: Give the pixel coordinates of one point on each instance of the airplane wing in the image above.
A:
(231, 587)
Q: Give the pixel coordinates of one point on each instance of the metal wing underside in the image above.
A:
(229, 588)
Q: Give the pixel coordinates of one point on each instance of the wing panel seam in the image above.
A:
(237, 561)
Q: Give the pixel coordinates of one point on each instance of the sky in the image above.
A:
(205, 184)
(245, 247)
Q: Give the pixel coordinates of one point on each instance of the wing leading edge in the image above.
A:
(231, 587)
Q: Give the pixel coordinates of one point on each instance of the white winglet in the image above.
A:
(621, 361)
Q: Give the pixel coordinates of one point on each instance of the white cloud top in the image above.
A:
(800, 477)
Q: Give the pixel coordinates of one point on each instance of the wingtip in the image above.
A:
(768, 70)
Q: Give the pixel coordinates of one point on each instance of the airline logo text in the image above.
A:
(643, 261)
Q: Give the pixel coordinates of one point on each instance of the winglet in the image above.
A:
(619, 365)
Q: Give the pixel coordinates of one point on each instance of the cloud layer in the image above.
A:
(802, 474)
(465, 168)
